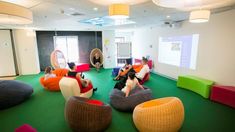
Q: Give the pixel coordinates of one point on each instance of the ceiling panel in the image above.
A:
(56, 14)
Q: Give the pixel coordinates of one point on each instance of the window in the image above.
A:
(69, 46)
(124, 50)
(123, 53)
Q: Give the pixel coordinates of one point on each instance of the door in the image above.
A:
(7, 65)
(69, 46)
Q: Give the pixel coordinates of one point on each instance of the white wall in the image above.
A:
(127, 35)
(216, 51)
(26, 51)
(109, 48)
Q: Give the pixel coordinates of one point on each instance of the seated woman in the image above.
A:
(48, 73)
(74, 74)
(144, 70)
(97, 61)
(131, 83)
(124, 70)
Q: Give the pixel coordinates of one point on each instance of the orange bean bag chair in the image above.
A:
(52, 84)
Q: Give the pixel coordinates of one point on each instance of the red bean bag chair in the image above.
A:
(146, 78)
(52, 84)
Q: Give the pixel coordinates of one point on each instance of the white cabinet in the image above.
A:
(7, 65)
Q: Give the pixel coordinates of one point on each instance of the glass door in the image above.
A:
(69, 46)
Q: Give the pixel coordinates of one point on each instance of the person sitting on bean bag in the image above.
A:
(144, 70)
(72, 73)
(124, 70)
(48, 73)
(131, 83)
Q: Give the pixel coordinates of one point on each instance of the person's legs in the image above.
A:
(139, 80)
(119, 85)
(97, 66)
(119, 73)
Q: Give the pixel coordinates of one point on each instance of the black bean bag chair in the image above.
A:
(13, 92)
(127, 104)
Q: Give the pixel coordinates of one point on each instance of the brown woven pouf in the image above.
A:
(83, 116)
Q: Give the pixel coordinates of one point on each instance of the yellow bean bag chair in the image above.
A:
(52, 84)
(159, 115)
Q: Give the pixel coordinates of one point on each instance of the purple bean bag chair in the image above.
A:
(13, 92)
(127, 104)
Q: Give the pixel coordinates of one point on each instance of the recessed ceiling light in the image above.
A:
(168, 16)
(95, 9)
(72, 9)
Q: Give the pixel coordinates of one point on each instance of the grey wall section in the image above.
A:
(87, 42)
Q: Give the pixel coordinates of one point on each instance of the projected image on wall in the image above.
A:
(179, 51)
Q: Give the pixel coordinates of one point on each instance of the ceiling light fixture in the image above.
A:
(169, 3)
(119, 11)
(199, 16)
(14, 14)
(109, 2)
(188, 5)
(95, 9)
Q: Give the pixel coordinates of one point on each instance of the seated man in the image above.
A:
(144, 70)
(74, 74)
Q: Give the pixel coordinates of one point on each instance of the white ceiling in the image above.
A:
(55, 14)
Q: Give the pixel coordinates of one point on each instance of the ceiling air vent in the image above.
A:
(76, 14)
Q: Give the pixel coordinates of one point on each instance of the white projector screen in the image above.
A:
(179, 51)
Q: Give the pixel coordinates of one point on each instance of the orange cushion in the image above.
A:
(137, 68)
(95, 102)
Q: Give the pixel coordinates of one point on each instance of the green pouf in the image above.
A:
(195, 84)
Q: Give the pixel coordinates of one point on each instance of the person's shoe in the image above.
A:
(82, 76)
(94, 89)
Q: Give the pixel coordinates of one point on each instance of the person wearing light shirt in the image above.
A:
(145, 69)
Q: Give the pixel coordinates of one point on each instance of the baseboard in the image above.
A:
(154, 72)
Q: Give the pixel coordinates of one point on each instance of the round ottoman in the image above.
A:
(159, 115)
(87, 115)
(13, 92)
(127, 104)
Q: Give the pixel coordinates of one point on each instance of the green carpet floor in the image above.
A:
(45, 110)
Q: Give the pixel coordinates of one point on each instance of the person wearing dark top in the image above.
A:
(74, 74)
(124, 70)
(97, 62)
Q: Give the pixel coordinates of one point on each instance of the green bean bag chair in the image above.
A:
(195, 84)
